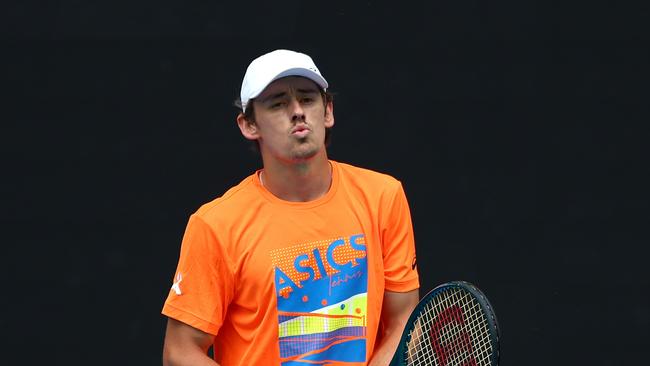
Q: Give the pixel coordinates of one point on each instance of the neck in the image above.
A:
(298, 182)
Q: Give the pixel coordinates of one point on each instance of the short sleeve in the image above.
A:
(203, 284)
(400, 270)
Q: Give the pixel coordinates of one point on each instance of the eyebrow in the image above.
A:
(282, 94)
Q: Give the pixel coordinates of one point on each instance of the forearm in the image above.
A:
(396, 309)
(385, 350)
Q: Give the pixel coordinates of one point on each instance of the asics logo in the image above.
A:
(177, 284)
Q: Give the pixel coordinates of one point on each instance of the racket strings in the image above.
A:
(452, 331)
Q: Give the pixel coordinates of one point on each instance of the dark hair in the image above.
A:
(249, 114)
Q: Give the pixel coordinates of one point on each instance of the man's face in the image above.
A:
(291, 118)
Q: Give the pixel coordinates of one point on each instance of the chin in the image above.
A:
(304, 154)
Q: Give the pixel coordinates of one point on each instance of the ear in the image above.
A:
(329, 114)
(247, 127)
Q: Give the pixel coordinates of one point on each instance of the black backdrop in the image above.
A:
(517, 129)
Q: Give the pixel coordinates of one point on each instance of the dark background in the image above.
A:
(517, 128)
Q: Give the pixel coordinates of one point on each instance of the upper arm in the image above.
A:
(184, 341)
(398, 245)
(397, 308)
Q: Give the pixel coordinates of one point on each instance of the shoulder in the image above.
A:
(370, 179)
(368, 186)
(244, 194)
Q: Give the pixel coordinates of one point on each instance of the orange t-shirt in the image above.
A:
(295, 283)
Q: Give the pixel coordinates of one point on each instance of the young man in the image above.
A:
(306, 261)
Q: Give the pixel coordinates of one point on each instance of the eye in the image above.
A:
(277, 105)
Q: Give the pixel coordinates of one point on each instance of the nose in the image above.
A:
(297, 112)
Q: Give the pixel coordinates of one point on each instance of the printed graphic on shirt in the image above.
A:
(322, 290)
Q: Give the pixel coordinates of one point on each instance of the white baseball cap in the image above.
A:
(275, 65)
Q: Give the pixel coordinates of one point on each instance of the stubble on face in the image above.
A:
(306, 148)
(297, 148)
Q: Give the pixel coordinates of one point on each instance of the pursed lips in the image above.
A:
(299, 129)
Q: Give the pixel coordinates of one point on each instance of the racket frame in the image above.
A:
(486, 307)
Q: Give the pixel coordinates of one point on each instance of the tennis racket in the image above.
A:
(453, 325)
